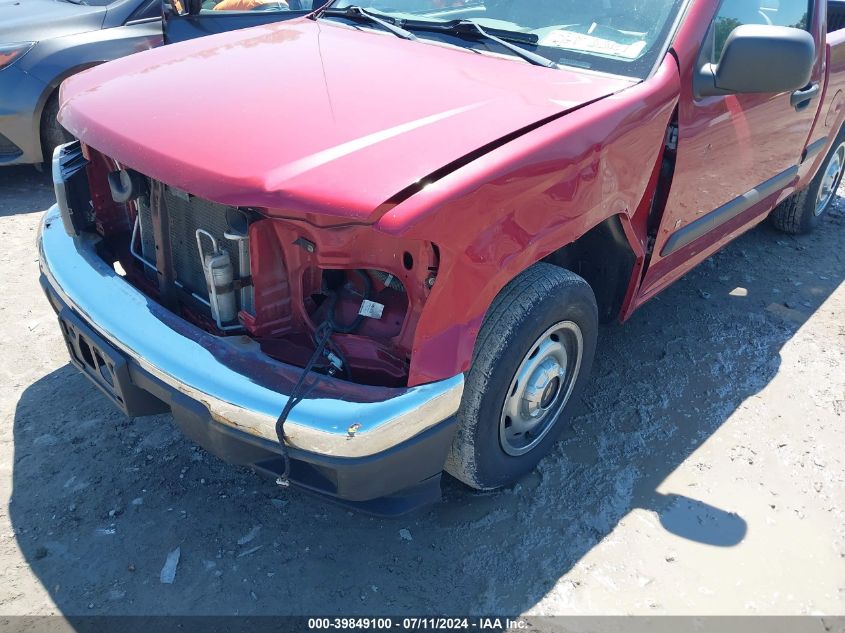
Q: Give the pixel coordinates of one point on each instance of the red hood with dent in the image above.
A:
(310, 117)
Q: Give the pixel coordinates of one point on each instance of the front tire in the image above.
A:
(531, 361)
(801, 213)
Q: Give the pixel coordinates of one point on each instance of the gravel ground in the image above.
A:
(704, 473)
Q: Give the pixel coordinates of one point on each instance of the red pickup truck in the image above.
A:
(362, 246)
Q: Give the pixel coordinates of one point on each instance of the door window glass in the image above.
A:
(245, 5)
(734, 13)
(261, 5)
(147, 11)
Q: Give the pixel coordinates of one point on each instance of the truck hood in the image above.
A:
(307, 117)
(36, 20)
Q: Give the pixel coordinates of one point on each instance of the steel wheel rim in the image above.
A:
(831, 179)
(540, 388)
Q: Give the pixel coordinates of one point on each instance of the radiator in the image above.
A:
(186, 215)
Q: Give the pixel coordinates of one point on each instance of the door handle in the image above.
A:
(800, 99)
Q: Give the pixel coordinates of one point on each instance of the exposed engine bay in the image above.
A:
(240, 272)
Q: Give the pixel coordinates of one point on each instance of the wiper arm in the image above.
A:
(353, 12)
(464, 28)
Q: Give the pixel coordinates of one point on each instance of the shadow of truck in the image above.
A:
(99, 500)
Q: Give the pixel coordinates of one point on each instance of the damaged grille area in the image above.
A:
(223, 230)
(273, 284)
(186, 217)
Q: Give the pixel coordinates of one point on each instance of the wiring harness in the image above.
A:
(322, 340)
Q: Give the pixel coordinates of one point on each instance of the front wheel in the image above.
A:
(533, 355)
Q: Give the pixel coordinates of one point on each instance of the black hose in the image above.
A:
(322, 336)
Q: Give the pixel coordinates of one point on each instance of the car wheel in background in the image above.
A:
(52, 134)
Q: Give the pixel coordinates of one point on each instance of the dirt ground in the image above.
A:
(705, 473)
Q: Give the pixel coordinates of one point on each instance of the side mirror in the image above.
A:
(760, 59)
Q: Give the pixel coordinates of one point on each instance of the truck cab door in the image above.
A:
(187, 19)
(737, 155)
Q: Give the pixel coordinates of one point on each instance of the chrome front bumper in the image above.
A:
(241, 387)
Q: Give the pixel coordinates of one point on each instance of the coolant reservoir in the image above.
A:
(220, 279)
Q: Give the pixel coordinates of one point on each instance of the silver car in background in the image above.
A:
(42, 42)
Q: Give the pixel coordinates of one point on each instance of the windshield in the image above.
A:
(617, 36)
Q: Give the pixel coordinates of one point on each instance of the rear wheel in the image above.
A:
(802, 212)
(531, 360)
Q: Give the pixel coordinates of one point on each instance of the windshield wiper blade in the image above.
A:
(466, 25)
(469, 28)
(353, 12)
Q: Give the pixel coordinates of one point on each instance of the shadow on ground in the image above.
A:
(100, 500)
(25, 190)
